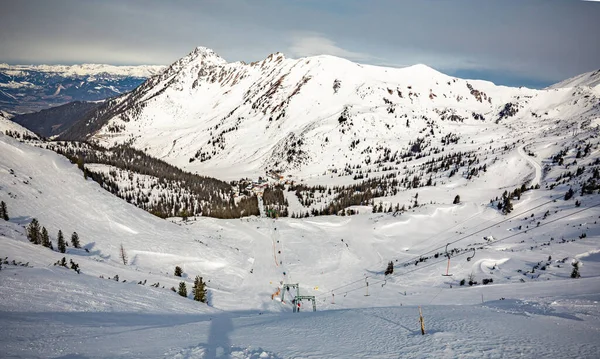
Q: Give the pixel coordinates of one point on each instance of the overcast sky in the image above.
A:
(522, 42)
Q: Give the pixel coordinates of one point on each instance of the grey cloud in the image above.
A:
(312, 44)
(547, 40)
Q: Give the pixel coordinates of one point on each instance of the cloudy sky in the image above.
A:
(521, 42)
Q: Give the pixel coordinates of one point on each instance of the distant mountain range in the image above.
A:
(30, 88)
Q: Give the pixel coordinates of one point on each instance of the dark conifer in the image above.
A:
(123, 255)
(199, 290)
(45, 238)
(75, 240)
(3, 211)
(182, 289)
(390, 268)
(33, 232)
(62, 246)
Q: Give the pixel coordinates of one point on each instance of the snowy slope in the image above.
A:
(61, 313)
(306, 116)
(38, 183)
(7, 125)
(5, 115)
(590, 79)
(544, 142)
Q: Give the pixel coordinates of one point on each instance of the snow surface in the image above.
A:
(143, 71)
(7, 125)
(50, 311)
(591, 79)
(532, 308)
(235, 120)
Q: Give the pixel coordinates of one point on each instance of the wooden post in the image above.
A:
(422, 322)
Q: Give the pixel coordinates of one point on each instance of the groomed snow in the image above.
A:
(50, 311)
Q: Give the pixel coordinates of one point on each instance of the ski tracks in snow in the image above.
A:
(536, 166)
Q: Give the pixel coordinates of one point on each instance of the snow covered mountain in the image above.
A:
(28, 88)
(141, 71)
(591, 79)
(484, 199)
(314, 115)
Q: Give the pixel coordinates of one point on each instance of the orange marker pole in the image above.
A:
(422, 322)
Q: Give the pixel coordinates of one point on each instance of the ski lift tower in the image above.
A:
(308, 297)
(298, 297)
(287, 287)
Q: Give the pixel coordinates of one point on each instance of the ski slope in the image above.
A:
(60, 313)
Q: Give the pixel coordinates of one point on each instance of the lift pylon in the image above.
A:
(307, 297)
(448, 266)
(286, 287)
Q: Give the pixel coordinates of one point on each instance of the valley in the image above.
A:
(318, 172)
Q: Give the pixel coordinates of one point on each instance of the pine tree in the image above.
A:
(3, 211)
(575, 272)
(33, 232)
(75, 240)
(62, 246)
(178, 271)
(390, 268)
(569, 194)
(507, 206)
(45, 238)
(182, 290)
(199, 290)
(456, 200)
(123, 255)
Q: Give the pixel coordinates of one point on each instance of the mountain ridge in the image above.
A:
(293, 115)
(590, 79)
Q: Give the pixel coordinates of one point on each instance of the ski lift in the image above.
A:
(366, 281)
(448, 266)
(471, 257)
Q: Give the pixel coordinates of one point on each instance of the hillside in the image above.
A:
(482, 201)
(30, 88)
(10, 128)
(53, 121)
(316, 115)
(590, 79)
(527, 254)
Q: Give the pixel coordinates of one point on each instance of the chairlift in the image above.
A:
(471, 257)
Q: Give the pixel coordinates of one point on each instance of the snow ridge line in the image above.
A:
(460, 239)
(463, 253)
